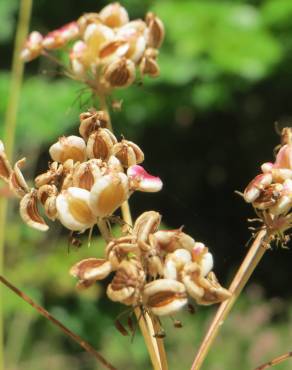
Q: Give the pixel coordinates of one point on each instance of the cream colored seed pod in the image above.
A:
(100, 144)
(17, 182)
(165, 296)
(5, 167)
(174, 262)
(73, 209)
(47, 195)
(120, 73)
(91, 121)
(86, 19)
(113, 51)
(128, 153)
(108, 193)
(71, 147)
(29, 212)
(156, 30)
(86, 174)
(114, 165)
(114, 15)
(170, 240)
(203, 257)
(146, 224)
(118, 249)
(89, 270)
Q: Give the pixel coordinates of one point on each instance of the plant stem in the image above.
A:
(275, 361)
(147, 324)
(9, 132)
(253, 257)
(88, 348)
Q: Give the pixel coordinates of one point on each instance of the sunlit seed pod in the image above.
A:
(149, 66)
(267, 167)
(113, 51)
(254, 188)
(86, 19)
(33, 47)
(284, 157)
(281, 174)
(108, 194)
(73, 209)
(67, 176)
(91, 121)
(29, 212)
(114, 164)
(52, 176)
(91, 270)
(86, 174)
(203, 257)
(165, 296)
(147, 223)
(100, 144)
(114, 15)
(120, 73)
(17, 182)
(156, 30)
(50, 208)
(134, 34)
(142, 181)
(191, 277)
(128, 153)
(46, 191)
(70, 147)
(170, 240)
(154, 266)
(174, 262)
(5, 167)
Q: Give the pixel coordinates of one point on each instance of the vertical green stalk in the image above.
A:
(9, 132)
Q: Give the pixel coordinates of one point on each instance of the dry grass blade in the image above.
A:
(88, 348)
(275, 361)
(253, 257)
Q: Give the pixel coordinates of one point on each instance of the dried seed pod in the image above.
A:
(114, 15)
(70, 147)
(202, 256)
(134, 34)
(142, 181)
(146, 224)
(91, 121)
(89, 270)
(108, 193)
(165, 296)
(284, 157)
(29, 212)
(113, 51)
(100, 144)
(156, 30)
(127, 283)
(154, 266)
(118, 249)
(213, 291)
(61, 36)
(174, 262)
(5, 167)
(114, 165)
(128, 153)
(148, 65)
(74, 211)
(17, 182)
(52, 176)
(120, 73)
(170, 240)
(78, 58)
(86, 174)
(86, 19)
(254, 188)
(47, 195)
(33, 47)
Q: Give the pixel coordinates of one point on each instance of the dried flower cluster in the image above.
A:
(271, 191)
(107, 47)
(157, 269)
(88, 179)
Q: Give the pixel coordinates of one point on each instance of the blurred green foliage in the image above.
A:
(214, 50)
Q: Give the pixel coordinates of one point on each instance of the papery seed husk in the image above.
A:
(100, 144)
(29, 212)
(17, 182)
(156, 30)
(114, 15)
(128, 153)
(147, 223)
(91, 121)
(120, 73)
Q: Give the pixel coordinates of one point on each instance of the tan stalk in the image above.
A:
(253, 257)
(275, 361)
(88, 348)
(9, 132)
(148, 325)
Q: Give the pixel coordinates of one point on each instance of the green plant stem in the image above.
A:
(9, 132)
(253, 257)
(88, 348)
(148, 325)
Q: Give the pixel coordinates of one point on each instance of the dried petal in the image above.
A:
(142, 181)
(108, 193)
(100, 144)
(29, 212)
(71, 147)
(74, 211)
(17, 182)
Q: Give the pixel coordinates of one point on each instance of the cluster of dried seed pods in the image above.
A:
(88, 179)
(271, 191)
(157, 269)
(107, 47)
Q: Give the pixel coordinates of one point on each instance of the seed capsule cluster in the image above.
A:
(158, 269)
(88, 179)
(107, 47)
(270, 192)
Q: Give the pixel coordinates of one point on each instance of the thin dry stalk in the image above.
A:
(253, 257)
(88, 348)
(148, 327)
(9, 130)
(275, 361)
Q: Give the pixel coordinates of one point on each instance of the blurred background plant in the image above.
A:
(205, 125)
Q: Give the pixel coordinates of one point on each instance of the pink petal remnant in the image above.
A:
(142, 181)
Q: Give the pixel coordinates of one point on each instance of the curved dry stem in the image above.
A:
(253, 257)
(275, 361)
(88, 348)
